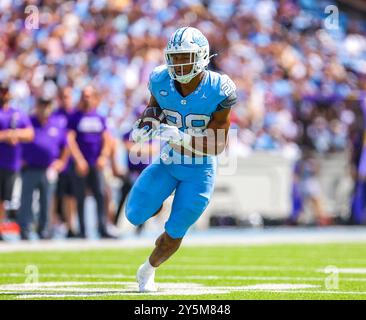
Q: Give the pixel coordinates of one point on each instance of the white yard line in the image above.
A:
(76, 289)
(59, 296)
(30, 291)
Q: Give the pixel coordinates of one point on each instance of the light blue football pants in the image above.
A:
(193, 185)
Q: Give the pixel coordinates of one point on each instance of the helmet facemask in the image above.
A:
(198, 59)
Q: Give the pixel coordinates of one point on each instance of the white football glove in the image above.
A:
(140, 135)
(173, 135)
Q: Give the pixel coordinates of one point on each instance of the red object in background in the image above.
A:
(9, 227)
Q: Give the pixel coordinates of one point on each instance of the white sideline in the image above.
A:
(226, 237)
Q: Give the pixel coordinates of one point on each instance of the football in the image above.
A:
(152, 117)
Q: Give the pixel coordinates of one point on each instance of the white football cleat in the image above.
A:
(146, 280)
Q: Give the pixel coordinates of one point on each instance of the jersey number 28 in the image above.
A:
(198, 121)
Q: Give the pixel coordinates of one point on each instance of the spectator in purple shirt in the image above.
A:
(43, 159)
(15, 127)
(88, 142)
(358, 205)
(65, 204)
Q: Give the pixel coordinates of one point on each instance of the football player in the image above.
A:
(195, 104)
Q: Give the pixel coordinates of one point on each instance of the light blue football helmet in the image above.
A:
(187, 40)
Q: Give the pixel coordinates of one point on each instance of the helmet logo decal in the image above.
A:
(177, 41)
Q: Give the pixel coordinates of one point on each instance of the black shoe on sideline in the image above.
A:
(71, 235)
(106, 235)
(24, 235)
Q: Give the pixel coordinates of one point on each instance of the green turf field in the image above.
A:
(253, 272)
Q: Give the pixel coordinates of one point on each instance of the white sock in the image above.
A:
(148, 268)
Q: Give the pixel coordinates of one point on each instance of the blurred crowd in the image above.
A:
(301, 85)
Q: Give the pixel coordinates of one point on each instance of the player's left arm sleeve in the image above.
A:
(228, 102)
(227, 93)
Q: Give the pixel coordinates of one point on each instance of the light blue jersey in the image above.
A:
(193, 183)
(195, 110)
